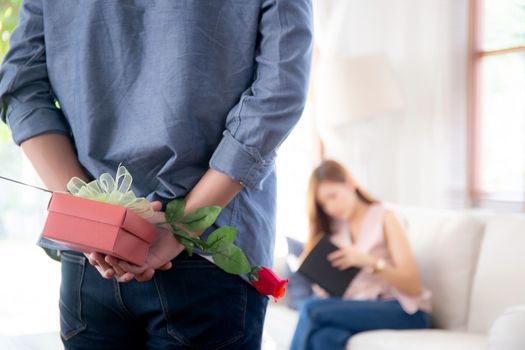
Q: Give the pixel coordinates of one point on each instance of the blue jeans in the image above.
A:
(194, 305)
(329, 323)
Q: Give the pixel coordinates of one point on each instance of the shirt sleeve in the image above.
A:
(26, 101)
(269, 109)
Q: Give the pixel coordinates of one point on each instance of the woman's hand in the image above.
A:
(350, 256)
(320, 291)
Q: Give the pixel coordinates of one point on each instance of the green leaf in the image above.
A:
(230, 258)
(178, 232)
(184, 239)
(202, 218)
(200, 243)
(188, 244)
(182, 236)
(223, 234)
(175, 210)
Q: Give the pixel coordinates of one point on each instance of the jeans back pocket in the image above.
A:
(204, 306)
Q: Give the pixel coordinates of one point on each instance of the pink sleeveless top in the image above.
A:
(370, 240)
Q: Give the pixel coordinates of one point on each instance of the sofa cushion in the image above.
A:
(507, 331)
(429, 339)
(499, 281)
(446, 246)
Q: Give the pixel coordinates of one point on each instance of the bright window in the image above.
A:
(498, 102)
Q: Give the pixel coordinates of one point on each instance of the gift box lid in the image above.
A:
(102, 212)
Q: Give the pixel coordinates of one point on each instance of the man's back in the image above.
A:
(147, 82)
(168, 88)
(194, 97)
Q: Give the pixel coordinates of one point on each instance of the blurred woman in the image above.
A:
(387, 293)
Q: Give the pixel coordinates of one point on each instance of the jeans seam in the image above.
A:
(120, 302)
(82, 262)
(73, 258)
(187, 342)
(243, 323)
(160, 293)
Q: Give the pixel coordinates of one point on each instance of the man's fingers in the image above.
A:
(111, 260)
(126, 277)
(90, 259)
(106, 273)
(134, 269)
(97, 260)
(166, 266)
(156, 206)
(146, 276)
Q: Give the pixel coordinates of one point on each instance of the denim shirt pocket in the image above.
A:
(70, 303)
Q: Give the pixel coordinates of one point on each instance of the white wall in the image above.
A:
(415, 156)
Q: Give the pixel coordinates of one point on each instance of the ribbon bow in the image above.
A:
(112, 190)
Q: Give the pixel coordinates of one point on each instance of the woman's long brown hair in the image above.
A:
(319, 221)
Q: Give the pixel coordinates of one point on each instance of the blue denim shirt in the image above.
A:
(168, 88)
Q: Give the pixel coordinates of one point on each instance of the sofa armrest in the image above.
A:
(507, 332)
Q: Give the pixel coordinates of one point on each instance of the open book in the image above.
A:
(318, 269)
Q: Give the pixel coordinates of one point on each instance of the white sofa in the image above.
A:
(474, 264)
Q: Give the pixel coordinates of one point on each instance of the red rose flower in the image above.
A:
(267, 282)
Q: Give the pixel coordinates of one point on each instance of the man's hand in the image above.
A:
(214, 188)
(164, 249)
(109, 266)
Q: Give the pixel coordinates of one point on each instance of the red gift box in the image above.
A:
(86, 225)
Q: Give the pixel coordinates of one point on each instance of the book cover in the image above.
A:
(318, 269)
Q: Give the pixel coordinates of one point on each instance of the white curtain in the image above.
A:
(415, 156)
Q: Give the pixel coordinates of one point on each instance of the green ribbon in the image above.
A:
(112, 190)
